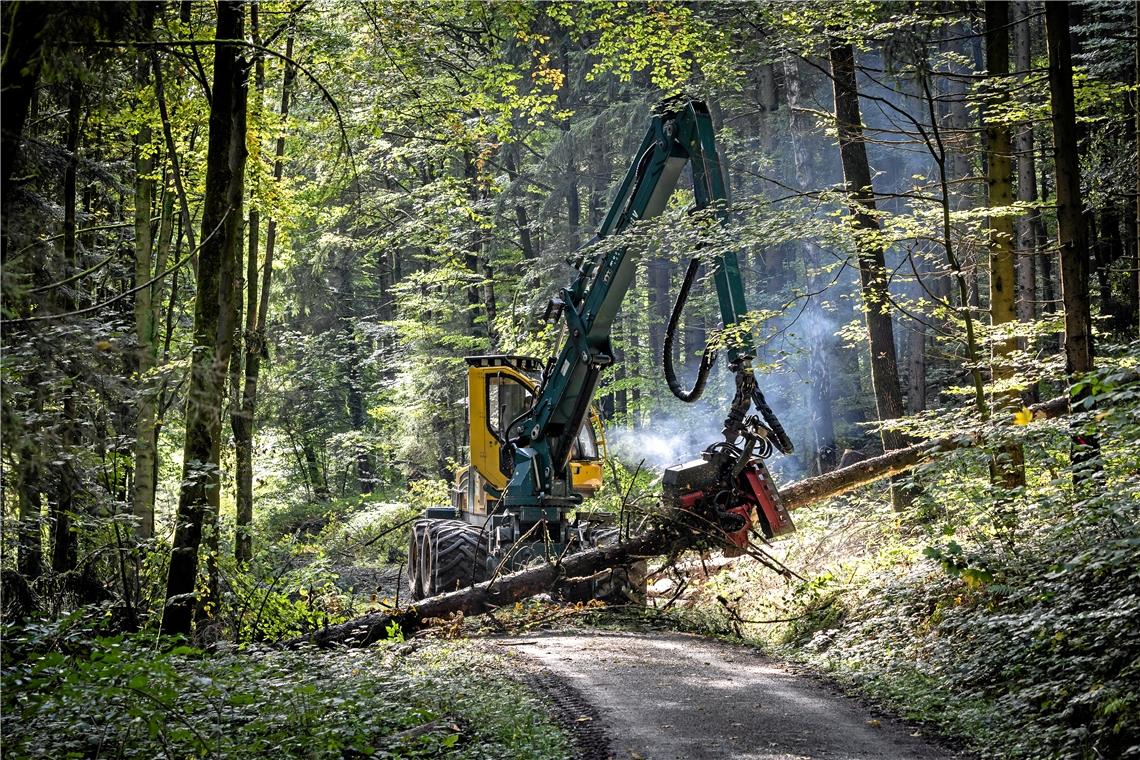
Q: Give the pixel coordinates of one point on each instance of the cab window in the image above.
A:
(507, 398)
(586, 445)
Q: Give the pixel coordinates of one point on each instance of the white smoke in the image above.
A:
(668, 440)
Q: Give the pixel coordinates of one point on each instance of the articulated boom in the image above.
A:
(680, 134)
(728, 490)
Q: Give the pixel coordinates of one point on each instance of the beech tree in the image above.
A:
(214, 314)
(872, 264)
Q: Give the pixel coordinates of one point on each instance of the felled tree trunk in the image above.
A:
(509, 589)
(489, 595)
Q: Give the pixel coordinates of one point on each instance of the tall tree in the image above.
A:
(1009, 464)
(145, 314)
(871, 257)
(213, 318)
(257, 311)
(1071, 240)
(1028, 225)
(64, 541)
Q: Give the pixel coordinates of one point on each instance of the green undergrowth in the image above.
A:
(121, 697)
(1009, 620)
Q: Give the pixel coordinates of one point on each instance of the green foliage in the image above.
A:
(125, 696)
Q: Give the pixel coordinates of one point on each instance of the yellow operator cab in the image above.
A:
(499, 389)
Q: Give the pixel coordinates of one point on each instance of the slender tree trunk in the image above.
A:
(1134, 291)
(1009, 462)
(255, 337)
(221, 218)
(1029, 224)
(872, 265)
(1074, 254)
(64, 547)
(30, 551)
(142, 496)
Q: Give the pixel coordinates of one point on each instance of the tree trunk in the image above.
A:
(1029, 224)
(1074, 255)
(1026, 179)
(30, 551)
(872, 265)
(142, 496)
(1009, 461)
(258, 309)
(1134, 290)
(62, 511)
(23, 46)
(221, 218)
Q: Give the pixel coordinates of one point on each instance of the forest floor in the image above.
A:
(672, 695)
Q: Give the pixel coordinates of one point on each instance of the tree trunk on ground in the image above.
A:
(504, 591)
(872, 265)
(1074, 254)
(1009, 461)
(221, 218)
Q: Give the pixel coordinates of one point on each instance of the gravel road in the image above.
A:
(661, 696)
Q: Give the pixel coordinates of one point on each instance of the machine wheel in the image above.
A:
(415, 557)
(453, 556)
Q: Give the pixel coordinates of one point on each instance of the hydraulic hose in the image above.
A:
(783, 442)
(707, 359)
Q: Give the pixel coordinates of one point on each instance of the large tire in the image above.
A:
(454, 557)
(415, 557)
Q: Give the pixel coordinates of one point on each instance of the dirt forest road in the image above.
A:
(667, 696)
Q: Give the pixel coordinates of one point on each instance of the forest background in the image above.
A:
(246, 247)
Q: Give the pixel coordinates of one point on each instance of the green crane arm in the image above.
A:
(679, 134)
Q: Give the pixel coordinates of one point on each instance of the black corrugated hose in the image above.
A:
(707, 359)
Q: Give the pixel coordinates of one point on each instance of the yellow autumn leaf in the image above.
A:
(1023, 417)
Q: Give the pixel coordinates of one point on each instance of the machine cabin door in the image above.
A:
(496, 395)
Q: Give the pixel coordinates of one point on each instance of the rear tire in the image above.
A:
(453, 556)
(415, 557)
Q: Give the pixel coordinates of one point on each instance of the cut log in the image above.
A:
(492, 594)
(507, 590)
(836, 482)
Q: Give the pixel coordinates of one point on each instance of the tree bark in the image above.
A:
(1134, 290)
(23, 25)
(1026, 180)
(142, 496)
(1009, 461)
(62, 510)
(872, 265)
(1073, 246)
(255, 339)
(221, 219)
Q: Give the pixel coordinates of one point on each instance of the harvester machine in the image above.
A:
(534, 450)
